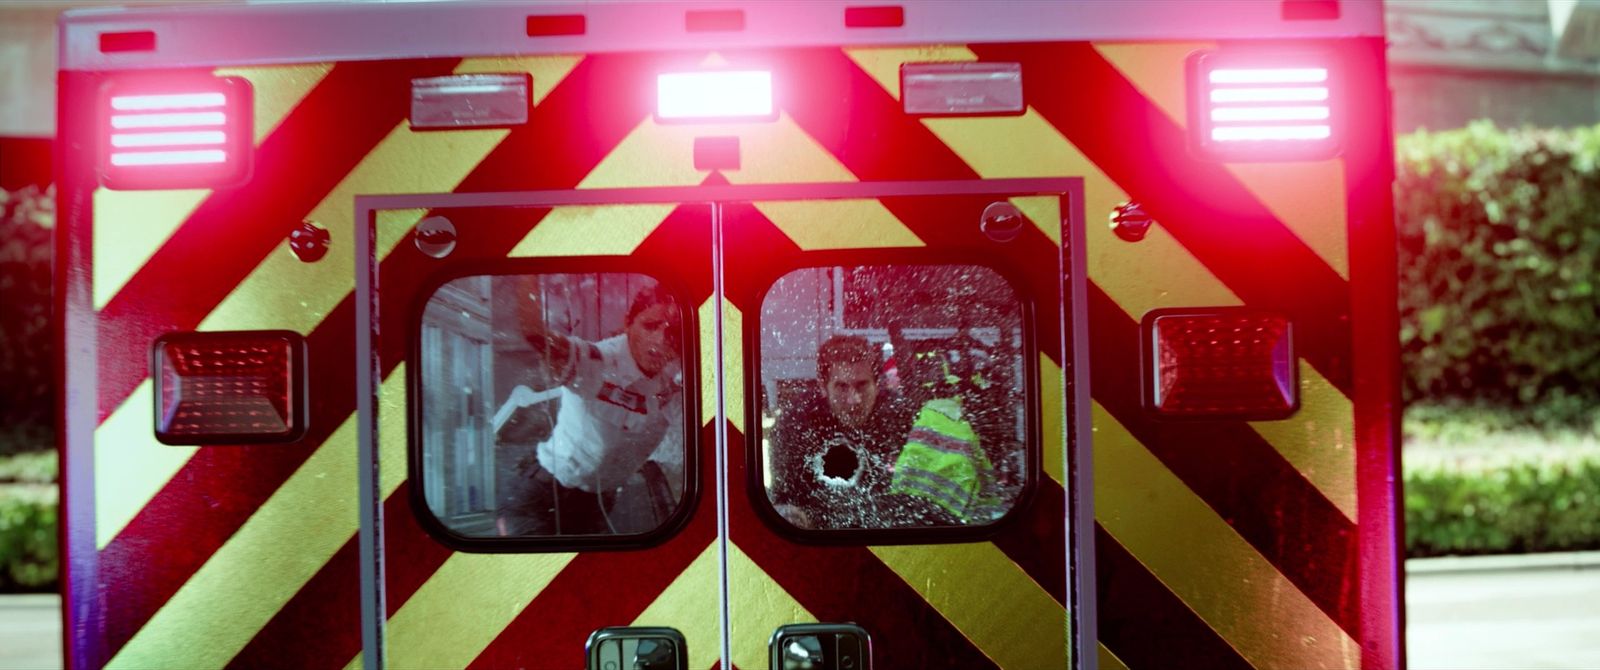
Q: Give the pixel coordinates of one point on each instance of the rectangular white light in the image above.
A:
(1286, 75)
(1296, 94)
(169, 157)
(173, 101)
(714, 95)
(124, 121)
(179, 139)
(1269, 114)
(1257, 133)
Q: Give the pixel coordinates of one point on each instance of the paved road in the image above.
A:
(1516, 612)
(30, 632)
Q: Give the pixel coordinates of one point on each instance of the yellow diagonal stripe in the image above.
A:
(592, 230)
(757, 606)
(1157, 70)
(276, 90)
(1197, 555)
(1319, 440)
(1309, 198)
(283, 292)
(1108, 660)
(392, 226)
(1028, 146)
(465, 605)
(546, 71)
(732, 364)
(1045, 213)
(988, 598)
(272, 556)
(839, 224)
(129, 226)
(692, 604)
(1053, 414)
(133, 466)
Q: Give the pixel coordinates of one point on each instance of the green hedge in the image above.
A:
(26, 219)
(1499, 237)
(1549, 503)
(29, 558)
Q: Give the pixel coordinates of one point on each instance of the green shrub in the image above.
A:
(28, 549)
(1547, 503)
(26, 219)
(1499, 256)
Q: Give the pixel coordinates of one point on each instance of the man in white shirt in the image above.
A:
(621, 409)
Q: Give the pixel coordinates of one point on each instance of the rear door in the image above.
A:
(899, 391)
(471, 573)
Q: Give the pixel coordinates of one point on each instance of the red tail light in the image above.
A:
(228, 388)
(1222, 363)
(176, 133)
(1262, 107)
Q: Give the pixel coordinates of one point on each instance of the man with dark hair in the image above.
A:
(832, 455)
(621, 407)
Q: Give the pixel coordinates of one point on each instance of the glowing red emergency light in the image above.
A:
(714, 96)
(179, 133)
(230, 387)
(1220, 363)
(1262, 107)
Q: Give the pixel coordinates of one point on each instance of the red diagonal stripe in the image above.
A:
(1247, 482)
(230, 484)
(1147, 626)
(234, 229)
(1208, 210)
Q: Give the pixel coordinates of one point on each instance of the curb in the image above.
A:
(29, 600)
(1567, 560)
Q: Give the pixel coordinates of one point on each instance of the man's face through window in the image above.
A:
(652, 338)
(852, 390)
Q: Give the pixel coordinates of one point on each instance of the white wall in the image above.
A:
(28, 71)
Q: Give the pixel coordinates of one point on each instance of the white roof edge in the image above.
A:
(240, 34)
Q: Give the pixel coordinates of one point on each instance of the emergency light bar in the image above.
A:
(178, 133)
(715, 96)
(1258, 107)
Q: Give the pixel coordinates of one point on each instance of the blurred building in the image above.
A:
(1516, 62)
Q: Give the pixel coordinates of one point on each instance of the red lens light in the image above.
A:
(1224, 363)
(219, 388)
(176, 133)
(1254, 107)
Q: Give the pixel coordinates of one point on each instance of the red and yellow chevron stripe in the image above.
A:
(1242, 543)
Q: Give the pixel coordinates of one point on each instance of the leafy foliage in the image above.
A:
(1499, 236)
(28, 550)
(1545, 504)
(26, 219)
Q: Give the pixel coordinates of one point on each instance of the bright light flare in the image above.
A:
(714, 95)
(1259, 133)
(1294, 94)
(199, 137)
(1286, 75)
(1269, 114)
(130, 103)
(125, 121)
(169, 157)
